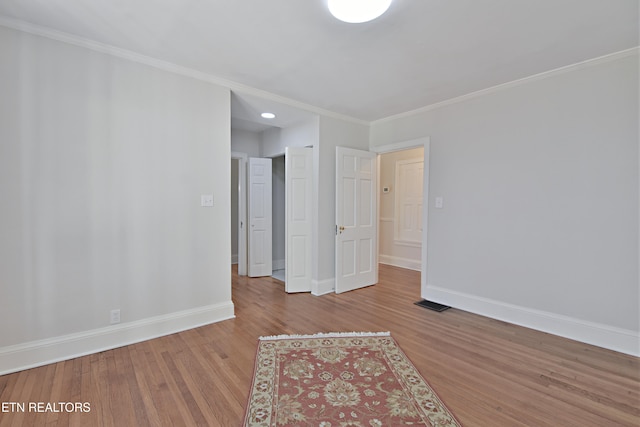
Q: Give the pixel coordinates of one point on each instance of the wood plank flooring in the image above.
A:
(489, 373)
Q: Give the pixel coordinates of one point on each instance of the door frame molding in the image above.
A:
(407, 145)
(242, 210)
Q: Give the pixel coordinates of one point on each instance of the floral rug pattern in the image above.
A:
(336, 380)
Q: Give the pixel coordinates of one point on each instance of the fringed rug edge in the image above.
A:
(326, 335)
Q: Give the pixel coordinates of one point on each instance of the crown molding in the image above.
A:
(249, 90)
(514, 83)
(104, 48)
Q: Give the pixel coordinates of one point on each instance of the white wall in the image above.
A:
(274, 141)
(270, 143)
(391, 251)
(333, 133)
(102, 164)
(244, 141)
(540, 187)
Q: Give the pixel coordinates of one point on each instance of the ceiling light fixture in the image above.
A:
(358, 11)
(268, 115)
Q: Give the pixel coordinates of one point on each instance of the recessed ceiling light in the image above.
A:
(268, 116)
(358, 11)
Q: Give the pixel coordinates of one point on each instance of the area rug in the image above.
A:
(340, 379)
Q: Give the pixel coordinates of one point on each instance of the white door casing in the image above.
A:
(260, 218)
(356, 219)
(242, 211)
(405, 145)
(299, 222)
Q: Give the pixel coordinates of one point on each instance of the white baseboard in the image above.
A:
(42, 352)
(277, 264)
(321, 287)
(234, 258)
(411, 264)
(609, 337)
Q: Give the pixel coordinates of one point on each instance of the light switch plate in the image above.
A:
(206, 200)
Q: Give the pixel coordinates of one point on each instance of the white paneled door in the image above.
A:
(260, 218)
(356, 219)
(408, 203)
(299, 212)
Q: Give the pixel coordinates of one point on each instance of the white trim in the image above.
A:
(50, 350)
(411, 264)
(380, 220)
(402, 145)
(609, 337)
(572, 67)
(60, 36)
(424, 276)
(322, 287)
(410, 243)
(241, 258)
(234, 258)
(326, 335)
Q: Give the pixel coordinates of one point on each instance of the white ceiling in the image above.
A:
(246, 110)
(419, 53)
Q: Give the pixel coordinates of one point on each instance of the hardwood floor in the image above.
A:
(489, 373)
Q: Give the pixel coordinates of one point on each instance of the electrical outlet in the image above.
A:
(115, 316)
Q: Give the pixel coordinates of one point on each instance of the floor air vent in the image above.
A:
(432, 305)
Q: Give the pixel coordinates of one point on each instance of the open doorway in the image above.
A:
(279, 217)
(291, 130)
(278, 195)
(425, 144)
